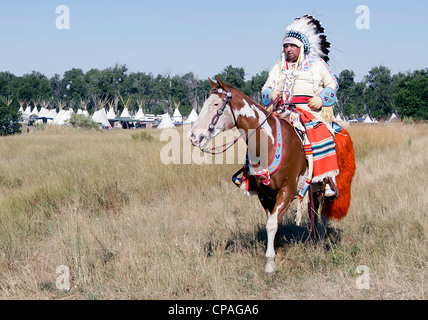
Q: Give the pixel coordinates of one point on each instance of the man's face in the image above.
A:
(292, 52)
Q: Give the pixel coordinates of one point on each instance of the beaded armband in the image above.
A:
(328, 96)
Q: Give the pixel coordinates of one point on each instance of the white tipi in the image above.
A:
(27, 110)
(58, 118)
(338, 118)
(100, 116)
(111, 115)
(166, 122)
(368, 119)
(140, 114)
(21, 103)
(125, 113)
(393, 118)
(35, 111)
(177, 117)
(44, 109)
(193, 116)
(83, 108)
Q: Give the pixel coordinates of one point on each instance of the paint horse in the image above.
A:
(227, 107)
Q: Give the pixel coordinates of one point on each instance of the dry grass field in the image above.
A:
(103, 206)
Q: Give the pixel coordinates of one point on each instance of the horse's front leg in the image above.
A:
(283, 200)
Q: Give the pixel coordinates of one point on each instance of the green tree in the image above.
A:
(347, 96)
(55, 85)
(235, 77)
(411, 94)
(9, 119)
(355, 104)
(73, 86)
(378, 94)
(31, 86)
(6, 79)
(255, 85)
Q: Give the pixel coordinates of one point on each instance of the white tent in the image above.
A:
(166, 122)
(35, 111)
(21, 103)
(338, 118)
(83, 108)
(393, 118)
(61, 114)
(140, 114)
(62, 117)
(95, 116)
(177, 117)
(67, 115)
(43, 112)
(193, 116)
(51, 114)
(125, 113)
(368, 119)
(100, 116)
(27, 110)
(111, 115)
(58, 117)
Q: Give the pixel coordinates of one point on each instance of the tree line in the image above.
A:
(379, 94)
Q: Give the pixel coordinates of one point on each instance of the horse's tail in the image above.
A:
(338, 208)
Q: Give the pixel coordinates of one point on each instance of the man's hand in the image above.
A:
(275, 94)
(315, 103)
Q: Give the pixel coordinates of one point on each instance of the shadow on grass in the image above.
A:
(289, 234)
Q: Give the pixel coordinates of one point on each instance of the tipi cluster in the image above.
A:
(105, 118)
(365, 120)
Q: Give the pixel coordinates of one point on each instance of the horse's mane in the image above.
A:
(226, 86)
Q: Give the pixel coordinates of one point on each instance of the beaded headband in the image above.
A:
(299, 36)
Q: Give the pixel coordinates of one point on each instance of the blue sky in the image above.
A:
(204, 36)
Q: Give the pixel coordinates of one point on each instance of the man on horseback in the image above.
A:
(306, 89)
(304, 82)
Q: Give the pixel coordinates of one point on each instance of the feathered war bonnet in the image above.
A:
(309, 33)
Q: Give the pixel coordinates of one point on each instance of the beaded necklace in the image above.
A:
(290, 76)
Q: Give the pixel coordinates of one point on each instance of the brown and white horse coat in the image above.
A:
(242, 112)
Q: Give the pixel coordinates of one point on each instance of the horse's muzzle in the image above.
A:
(198, 140)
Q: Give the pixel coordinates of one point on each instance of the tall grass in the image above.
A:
(130, 227)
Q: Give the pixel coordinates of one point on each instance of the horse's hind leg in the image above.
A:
(320, 226)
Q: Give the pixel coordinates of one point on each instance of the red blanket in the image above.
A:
(323, 147)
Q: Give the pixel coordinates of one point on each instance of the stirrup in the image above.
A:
(330, 191)
(238, 181)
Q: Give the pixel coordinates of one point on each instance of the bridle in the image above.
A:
(220, 111)
(227, 99)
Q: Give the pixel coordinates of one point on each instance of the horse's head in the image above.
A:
(216, 115)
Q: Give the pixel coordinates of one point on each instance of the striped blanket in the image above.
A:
(322, 147)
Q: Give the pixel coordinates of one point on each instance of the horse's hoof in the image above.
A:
(269, 275)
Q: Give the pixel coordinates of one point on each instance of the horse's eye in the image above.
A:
(216, 104)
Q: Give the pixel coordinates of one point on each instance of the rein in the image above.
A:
(220, 111)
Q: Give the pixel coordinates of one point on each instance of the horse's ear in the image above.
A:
(213, 84)
(221, 84)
